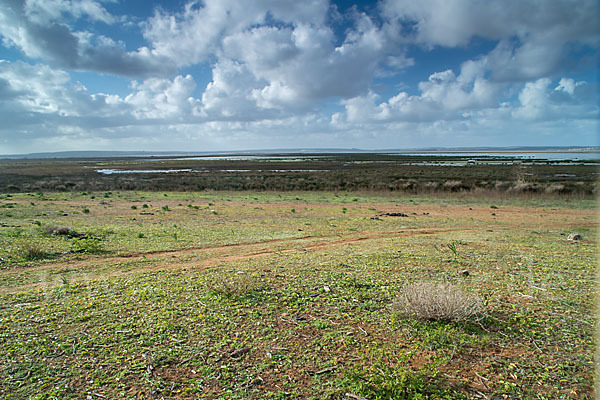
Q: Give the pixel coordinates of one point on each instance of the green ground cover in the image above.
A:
(273, 295)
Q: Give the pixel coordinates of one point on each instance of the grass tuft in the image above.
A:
(439, 302)
(33, 252)
(235, 285)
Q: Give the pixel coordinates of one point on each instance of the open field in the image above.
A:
(108, 295)
(413, 174)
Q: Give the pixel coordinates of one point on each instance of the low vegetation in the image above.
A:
(231, 295)
(318, 172)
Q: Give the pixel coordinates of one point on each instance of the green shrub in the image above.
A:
(86, 244)
(33, 252)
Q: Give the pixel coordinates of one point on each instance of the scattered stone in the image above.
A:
(463, 272)
(376, 218)
(353, 396)
(561, 233)
(3, 225)
(574, 236)
(324, 370)
(394, 214)
(239, 352)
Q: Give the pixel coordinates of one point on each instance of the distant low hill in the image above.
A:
(125, 154)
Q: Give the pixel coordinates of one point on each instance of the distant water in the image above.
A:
(575, 156)
(141, 171)
(171, 171)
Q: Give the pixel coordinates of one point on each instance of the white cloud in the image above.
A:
(284, 70)
(533, 36)
(455, 23)
(444, 96)
(195, 34)
(568, 100)
(296, 66)
(45, 11)
(162, 98)
(39, 30)
(38, 94)
(273, 58)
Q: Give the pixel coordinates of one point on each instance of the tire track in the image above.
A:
(85, 269)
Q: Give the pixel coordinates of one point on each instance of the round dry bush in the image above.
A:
(439, 302)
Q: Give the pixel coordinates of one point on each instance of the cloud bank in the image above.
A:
(284, 73)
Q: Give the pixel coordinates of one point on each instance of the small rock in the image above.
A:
(240, 352)
(574, 236)
(463, 272)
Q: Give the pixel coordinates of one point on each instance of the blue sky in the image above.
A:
(264, 74)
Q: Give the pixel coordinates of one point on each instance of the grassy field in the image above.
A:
(242, 295)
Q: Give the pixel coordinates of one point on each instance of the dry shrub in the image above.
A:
(439, 302)
(235, 284)
(52, 230)
(525, 187)
(455, 186)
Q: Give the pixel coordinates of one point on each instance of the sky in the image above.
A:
(226, 75)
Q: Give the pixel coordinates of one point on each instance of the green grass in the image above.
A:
(258, 302)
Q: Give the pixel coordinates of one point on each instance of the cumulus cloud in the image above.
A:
(195, 34)
(37, 28)
(45, 11)
(294, 67)
(469, 97)
(157, 98)
(443, 96)
(567, 100)
(533, 36)
(282, 69)
(39, 94)
(272, 58)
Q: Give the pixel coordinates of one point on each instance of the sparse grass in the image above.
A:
(256, 302)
